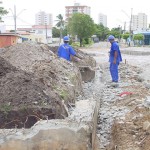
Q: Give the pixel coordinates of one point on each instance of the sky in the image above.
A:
(117, 11)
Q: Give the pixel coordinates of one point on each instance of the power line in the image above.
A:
(24, 21)
(18, 25)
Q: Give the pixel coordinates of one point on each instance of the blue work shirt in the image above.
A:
(65, 50)
(115, 47)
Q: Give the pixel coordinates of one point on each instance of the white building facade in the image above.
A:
(139, 22)
(42, 18)
(43, 26)
(69, 10)
(45, 31)
(102, 19)
(2, 27)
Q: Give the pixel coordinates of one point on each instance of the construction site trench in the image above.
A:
(48, 103)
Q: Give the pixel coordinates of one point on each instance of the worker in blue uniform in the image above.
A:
(114, 58)
(65, 50)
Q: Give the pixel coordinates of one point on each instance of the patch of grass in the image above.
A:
(5, 108)
(63, 94)
(75, 44)
(72, 78)
(24, 108)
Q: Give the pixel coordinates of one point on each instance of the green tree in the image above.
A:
(125, 36)
(64, 31)
(55, 32)
(139, 37)
(60, 24)
(101, 31)
(2, 13)
(116, 32)
(81, 25)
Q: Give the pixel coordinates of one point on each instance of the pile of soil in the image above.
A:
(132, 132)
(35, 84)
(23, 95)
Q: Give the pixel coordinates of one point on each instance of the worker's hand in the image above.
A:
(76, 59)
(79, 56)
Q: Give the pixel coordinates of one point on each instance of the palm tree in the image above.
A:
(60, 24)
(2, 13)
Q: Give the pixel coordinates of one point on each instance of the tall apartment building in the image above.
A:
(43, 26)
(139, 22)
(69, 10)
(102, 19)
(42, 18)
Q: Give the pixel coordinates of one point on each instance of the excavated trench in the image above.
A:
(122, 112)
(124, 120)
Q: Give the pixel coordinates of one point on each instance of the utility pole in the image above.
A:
(46, 33)
(130, 37)
(124, 27)
(15, 22)
(15, 15)
(131, 22)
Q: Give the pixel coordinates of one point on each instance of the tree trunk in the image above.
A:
(80, 42)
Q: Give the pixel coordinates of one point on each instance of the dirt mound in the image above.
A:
(134, 133)
(23, 55)
(35, 85)
(23, 95)
(40, 60)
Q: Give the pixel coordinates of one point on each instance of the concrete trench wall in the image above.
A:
(77, 132)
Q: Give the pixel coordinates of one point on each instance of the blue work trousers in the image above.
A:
(114, 71)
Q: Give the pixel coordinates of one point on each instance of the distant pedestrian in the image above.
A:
(114, 58)
(65, 50)
(128, 41)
